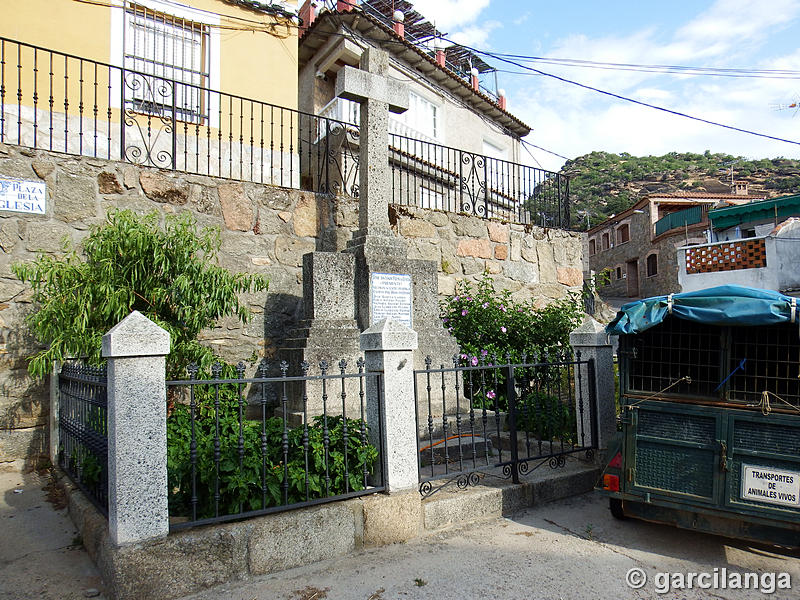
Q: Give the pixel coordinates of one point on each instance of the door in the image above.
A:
(632, 275)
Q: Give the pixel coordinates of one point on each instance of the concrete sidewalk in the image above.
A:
(41, 555)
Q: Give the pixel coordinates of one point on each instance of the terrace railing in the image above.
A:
(682, 218)
(60, 102)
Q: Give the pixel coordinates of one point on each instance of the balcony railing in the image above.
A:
(682, 218)
(64, 103)
(750, 253)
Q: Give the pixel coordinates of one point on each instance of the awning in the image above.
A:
(722, 305)
(764, 210)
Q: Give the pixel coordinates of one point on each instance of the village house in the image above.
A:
(634, 253)
(457, 147)
(755, 244)
(157, 83)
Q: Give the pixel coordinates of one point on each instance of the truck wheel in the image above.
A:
(615, 506)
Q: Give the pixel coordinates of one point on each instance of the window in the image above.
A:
(652, 265)
(422, 116)
(592, 247)
(623, 234)
(619, 272)
(172, 53)
(605, 241)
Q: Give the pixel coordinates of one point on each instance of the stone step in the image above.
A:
(440, 452)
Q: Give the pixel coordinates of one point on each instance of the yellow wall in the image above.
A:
(254, 64)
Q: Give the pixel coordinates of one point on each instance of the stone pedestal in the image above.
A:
(388, 348)
(137, 430)
(591, 340)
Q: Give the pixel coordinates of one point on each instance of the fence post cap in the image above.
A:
(590, 333)
(135, 335)
(388, 334)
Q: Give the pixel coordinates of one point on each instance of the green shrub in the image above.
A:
(491, 328)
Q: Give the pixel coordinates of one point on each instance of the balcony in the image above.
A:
(63, 103)
(767, 262)
(682, 218)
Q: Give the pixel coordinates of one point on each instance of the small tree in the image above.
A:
(168, 274)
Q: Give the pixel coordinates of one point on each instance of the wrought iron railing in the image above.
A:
(65, 103)
(682, 218)
(240, 447)
(60, 102)
(485, 416)
(430, 175)
(83, 429)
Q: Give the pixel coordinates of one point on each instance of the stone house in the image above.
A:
(755, 244)
(634, 254)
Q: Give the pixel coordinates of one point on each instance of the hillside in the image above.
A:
(604, 184)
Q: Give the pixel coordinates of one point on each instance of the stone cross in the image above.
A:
(378, 94)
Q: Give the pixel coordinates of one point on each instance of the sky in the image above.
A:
(571, 121)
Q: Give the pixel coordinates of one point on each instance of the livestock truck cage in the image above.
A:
(709, 428)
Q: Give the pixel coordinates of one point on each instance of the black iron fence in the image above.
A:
(239, 447)
(486, 416)
(430, 175)
(65, 103)
(83, 430)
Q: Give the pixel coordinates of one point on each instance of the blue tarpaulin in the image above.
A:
(722, 305)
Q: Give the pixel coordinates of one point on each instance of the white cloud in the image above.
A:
(448, 14)
(476, 36)
(573, 121)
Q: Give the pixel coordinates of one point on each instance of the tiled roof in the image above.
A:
(706, 195)
(370, 27)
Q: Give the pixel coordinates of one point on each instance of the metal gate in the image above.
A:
(485, 416)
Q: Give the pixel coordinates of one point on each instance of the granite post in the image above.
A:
(55, 432)
(591, 340)
(389, 350)
(137, 430)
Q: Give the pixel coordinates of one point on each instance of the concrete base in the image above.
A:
(192, 560)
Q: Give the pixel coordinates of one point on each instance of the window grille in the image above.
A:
(172, 53)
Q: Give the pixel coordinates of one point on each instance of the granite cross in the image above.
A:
(378, 94)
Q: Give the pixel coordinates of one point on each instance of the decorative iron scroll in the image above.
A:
(148, 118)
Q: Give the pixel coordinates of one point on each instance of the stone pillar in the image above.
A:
(591, 340)
(389, 350)
(137, 430)
(55, 433)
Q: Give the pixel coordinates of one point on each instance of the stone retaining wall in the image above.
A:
(265, 230)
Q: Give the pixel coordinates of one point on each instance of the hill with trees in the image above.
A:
(602, 183)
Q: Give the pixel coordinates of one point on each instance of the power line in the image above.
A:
(527, 143)
(633, 100)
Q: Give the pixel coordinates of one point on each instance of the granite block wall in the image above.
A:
(264, 229)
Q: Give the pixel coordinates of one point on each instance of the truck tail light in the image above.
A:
(616, 462)
(611, 483)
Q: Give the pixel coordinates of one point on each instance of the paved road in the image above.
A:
(572, 549)
(41, 555)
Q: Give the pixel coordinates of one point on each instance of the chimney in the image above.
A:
(307, 14)
(441, 57)
(475, 83)
(345, 5)
(399, 28)
(740, 188)
(501, 99)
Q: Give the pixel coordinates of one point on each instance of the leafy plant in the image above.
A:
(310, 468)
(493, 329)
(131, 263)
